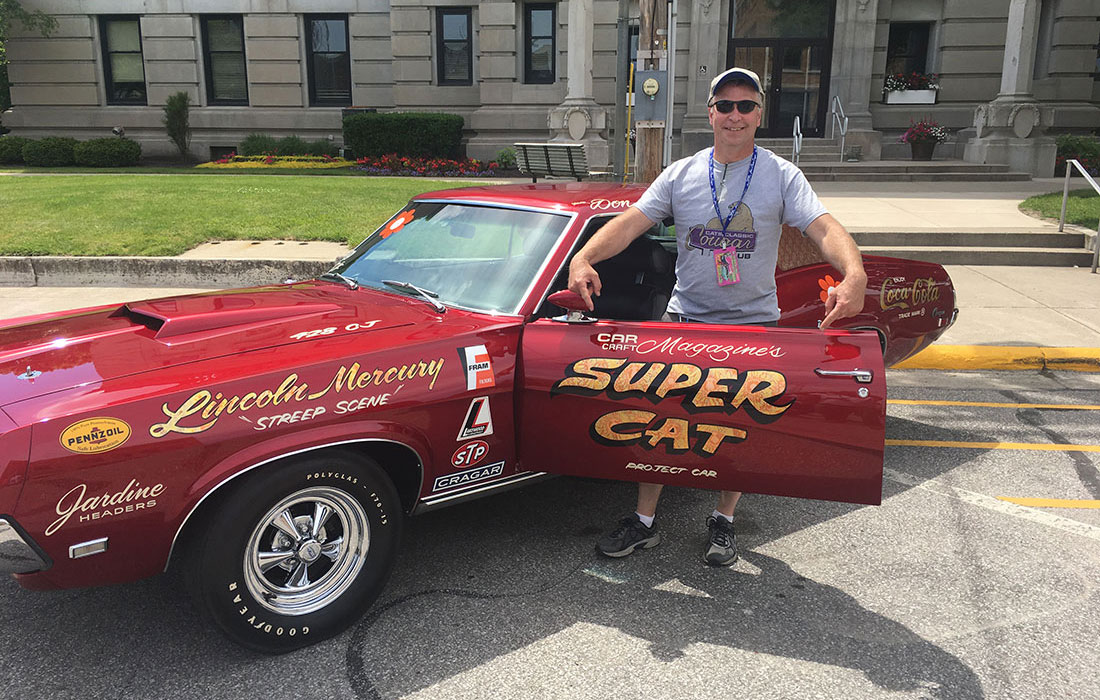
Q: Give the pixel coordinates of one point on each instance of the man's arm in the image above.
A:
(841, 251)
(608, 242)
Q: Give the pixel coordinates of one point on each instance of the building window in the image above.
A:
(454, 47)
(223, 54)
(907, 51)
(539, 21)
(123, 67)
(328, 60)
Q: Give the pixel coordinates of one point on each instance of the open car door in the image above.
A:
(789, 412)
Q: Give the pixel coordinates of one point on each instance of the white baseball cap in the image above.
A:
(736, 74)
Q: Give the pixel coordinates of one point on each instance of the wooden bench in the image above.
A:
(552, 159)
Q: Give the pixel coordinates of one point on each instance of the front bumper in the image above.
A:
(18, 554)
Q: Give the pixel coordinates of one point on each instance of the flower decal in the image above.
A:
(827, 285)
(398, 223)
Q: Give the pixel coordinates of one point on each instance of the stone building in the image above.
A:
(1011, 71)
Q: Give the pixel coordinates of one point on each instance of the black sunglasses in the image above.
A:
(743, 106)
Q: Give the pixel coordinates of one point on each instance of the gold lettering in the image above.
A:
(759, 386)
(715, 435)
(712, 384)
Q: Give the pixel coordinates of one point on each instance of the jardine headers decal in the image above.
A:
(704, 389)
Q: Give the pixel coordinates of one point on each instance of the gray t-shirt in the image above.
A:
(778, 194)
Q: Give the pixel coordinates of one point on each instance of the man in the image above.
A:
(729, 203)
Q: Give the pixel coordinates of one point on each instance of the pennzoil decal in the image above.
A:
(479, 420)
(95, 435)
(704, 390)
(478, 367)
(469, 476)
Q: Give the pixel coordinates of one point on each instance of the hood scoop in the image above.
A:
(167, 323)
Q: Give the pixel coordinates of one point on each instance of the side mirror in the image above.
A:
(573, 304)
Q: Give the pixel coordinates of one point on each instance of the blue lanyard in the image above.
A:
(714, 190)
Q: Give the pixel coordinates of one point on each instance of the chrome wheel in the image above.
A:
(306, 550)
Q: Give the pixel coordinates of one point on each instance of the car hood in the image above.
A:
(58, 351)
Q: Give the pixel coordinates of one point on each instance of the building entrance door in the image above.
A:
(790, 51)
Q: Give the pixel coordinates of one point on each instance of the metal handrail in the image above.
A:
(838, 120)
(797, 133)
(1065, 197)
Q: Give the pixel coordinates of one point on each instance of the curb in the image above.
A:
(978, 357)
(58, 271)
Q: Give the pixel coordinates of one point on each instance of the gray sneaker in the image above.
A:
(630, 534)
(721, 543)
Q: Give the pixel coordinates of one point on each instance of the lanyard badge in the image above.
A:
(725, 260)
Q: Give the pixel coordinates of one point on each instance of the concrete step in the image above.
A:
(865, 176)
(970, 239)
(980, 255)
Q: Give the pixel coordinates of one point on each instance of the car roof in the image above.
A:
(566, 196)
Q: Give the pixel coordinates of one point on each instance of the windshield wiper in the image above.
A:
(428, 295)
(346, 281)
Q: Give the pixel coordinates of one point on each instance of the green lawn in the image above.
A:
(167, 214)
(1082, 207)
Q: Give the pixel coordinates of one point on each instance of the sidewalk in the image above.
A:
(1009, 317)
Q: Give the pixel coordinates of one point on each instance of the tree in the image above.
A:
(33, 20)
(177, 122)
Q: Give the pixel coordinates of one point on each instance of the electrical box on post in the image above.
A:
(650, 95)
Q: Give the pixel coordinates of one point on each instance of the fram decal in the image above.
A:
(704, 389)
(478, 367)
(479, 420)
(470, 476)
(132, 498)
(469, 454)
(95, 435)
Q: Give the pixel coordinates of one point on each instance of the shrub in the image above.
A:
(1084, 149)
(290, 146)
(107, 152)
(177, 120)
(257, 145)
(11, 149)
(322, 147)
(51, 151)
(506, 159)
(424, 134)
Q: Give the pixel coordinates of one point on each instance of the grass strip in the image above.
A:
(166, 215)
(1082, 207)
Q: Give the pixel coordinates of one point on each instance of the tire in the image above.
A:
(297, 552)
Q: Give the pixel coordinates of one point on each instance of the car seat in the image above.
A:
(636, 283)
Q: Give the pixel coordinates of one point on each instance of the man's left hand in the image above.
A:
(845, 300)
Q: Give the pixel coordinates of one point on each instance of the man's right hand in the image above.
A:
(584, 280)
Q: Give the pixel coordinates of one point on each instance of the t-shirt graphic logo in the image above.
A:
(740, 233)
(479, 370)
(479, 420)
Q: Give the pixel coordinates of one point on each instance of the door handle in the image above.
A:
(863, 376)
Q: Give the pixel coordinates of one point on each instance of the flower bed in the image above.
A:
(234, 161)
(393, 164)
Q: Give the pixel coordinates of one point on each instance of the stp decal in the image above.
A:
(479, 420)
(469, 454)
(95, 435)
(479, 370)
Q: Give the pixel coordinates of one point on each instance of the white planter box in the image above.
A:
(911, 97)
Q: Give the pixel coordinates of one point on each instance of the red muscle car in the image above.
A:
(272, 440)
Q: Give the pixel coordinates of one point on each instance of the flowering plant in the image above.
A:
(911, 81)
(234, 161)
(393, 164)
(924, 131)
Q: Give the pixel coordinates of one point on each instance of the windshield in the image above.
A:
(479, 257)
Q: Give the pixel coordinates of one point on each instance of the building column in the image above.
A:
(1010, 129)
(705, 60)
(850, 75)
(579, 119)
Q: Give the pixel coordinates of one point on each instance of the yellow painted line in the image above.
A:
(993, 404)
(975, 357)
(995, 445)
(1051, 502)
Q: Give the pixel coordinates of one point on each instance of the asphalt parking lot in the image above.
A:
(955, 587)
